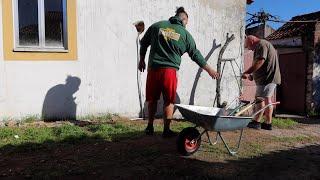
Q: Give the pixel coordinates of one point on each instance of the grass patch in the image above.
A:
(24, 138)
(181, 125)
(294, 139)
(217, 151)
(313, 113)
(284, 123)
(253, 149)
(113, 132)
(37, 137)
(99, 118)
(30, 119)
(44, 137)
(69, 133)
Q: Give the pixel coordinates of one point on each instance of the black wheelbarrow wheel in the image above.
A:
(188, 141)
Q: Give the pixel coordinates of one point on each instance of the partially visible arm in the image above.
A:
(260, 57)
(255, 66)
(142, 64)
(214, 74)
(144, 44)
(197, 57)
(193, 52)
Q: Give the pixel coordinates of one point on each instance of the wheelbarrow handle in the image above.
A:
(248, 106)
(265, 107)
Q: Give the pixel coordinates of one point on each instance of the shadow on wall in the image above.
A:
(159, 113)
(196, 80)
(316, 80)
(59, 103)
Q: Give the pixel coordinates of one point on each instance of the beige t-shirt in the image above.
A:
(269, 72)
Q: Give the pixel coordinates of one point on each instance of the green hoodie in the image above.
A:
(169, 40)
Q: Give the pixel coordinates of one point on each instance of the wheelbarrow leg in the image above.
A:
(232, 152)
(202, 133)
(210, 142)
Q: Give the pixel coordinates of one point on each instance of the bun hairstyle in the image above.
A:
(181, 10)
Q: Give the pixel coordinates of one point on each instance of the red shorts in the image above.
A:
(162, 80)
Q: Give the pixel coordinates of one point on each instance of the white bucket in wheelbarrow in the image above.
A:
(211, 118)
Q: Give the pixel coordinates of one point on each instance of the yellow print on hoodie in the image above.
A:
(169, 34)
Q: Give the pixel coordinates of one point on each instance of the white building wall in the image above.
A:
(106, 61)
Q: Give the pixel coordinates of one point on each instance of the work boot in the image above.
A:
(169, 134)
(254, 125)
(149, 130)
(266, 126)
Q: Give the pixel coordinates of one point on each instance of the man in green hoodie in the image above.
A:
(169, 40)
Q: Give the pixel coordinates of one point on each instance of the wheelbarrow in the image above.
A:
(213, 119)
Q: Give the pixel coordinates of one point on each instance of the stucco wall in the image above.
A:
(106, 61)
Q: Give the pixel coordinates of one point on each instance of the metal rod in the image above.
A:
(204, 131)
(267, 106)
(240, 139)
(232, 152)
(234, 100)
(235, 76)
(210, 142)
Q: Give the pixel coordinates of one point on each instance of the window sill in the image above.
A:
(42, 50)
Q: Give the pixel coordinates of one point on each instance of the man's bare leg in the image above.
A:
(168, 114)
(268, 111)
(255, 124)
(260, 115)
(152, 109)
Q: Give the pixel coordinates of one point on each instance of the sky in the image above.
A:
(285, 9)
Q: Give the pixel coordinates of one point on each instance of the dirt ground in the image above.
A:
(278, 154)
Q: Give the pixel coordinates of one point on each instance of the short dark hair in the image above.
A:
(181, 10)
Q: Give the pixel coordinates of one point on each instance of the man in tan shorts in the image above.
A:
(266, 74)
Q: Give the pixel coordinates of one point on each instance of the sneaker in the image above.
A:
(149, 130)
(266, 126)
(169, 134)
(254, 125)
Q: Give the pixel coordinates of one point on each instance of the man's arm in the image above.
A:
(214, 74)
(142, 64)
(260, 56)
(144, 44)
(256, 65)
(197, 57)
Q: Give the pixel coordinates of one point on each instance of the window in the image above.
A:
(39, 30)
(40, 25)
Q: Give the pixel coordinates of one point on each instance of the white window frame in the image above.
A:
(41, 25)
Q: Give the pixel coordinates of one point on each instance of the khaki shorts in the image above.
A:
(266, 90)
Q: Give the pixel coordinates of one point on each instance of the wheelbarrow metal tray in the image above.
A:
(212, 119)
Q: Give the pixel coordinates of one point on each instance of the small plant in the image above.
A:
(30, 119)
(295, 139)
(69, 132)
(100, 117)
(313, 113)
(284, 123)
